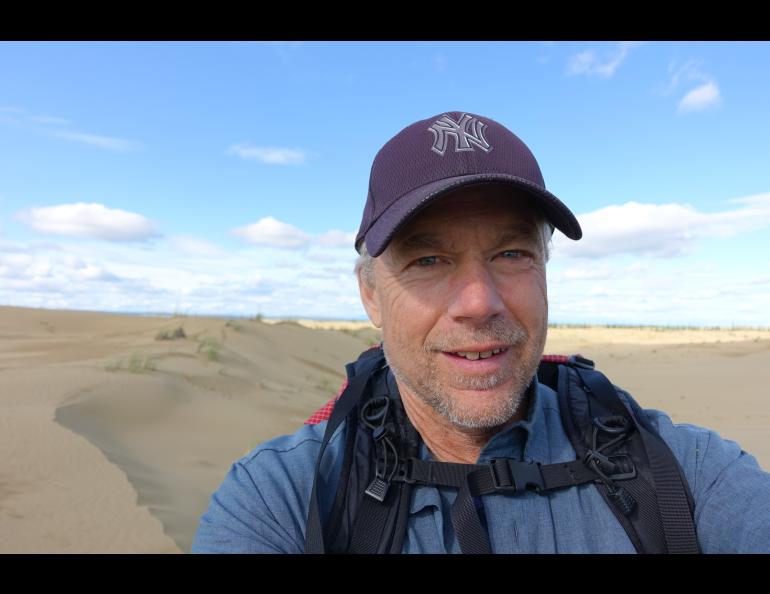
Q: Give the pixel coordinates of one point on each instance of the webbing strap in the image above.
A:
(499, 476)
(471, 536)
(370, 523)
(678, 525)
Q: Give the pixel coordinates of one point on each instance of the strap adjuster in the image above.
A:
(616, 467)
(513, 475)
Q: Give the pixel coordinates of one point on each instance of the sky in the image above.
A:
(229, 178)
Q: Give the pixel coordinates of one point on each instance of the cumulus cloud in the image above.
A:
(590, 63)
(194, 246)
(268, 154)
(701, 98)
(586, 273)
(58, 271)
(273, 233)
(89, 220)
(337, 239)
(662, 230)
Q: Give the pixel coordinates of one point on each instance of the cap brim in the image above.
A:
(395, 217)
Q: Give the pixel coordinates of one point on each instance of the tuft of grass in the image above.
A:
(258, 318)
(138, 363)
(174, 334)
(210, 348)
(234, 325)
(115, 365)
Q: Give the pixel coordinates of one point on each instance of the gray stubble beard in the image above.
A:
(432, 393)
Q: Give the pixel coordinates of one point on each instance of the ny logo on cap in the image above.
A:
(466, 132)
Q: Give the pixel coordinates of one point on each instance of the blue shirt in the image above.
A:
(262, 504)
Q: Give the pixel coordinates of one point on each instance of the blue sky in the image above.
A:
(229, 177)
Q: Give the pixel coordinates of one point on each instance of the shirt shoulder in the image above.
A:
(262, 504)
(720, 473)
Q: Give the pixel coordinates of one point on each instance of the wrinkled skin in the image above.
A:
(471, 289)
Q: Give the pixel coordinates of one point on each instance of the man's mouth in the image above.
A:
(475, 355)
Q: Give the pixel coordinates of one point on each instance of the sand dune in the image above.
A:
(114, 439)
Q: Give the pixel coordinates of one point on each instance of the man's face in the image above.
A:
(466, 275)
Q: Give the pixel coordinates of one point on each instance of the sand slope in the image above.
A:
(114, 440)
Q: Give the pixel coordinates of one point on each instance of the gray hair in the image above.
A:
(365, 263)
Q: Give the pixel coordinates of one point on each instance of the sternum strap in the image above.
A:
(500, 475)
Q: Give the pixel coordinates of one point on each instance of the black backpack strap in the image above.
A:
(674, 499)
(357, 384)
(382, 519)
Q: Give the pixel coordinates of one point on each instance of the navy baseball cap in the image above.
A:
(453, 149)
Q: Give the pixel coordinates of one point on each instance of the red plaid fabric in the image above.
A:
(555, 358)
(323, 413)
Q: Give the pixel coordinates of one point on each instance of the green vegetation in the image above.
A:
(174, 334)
(137, 363)
(210, 348)
(234, 325)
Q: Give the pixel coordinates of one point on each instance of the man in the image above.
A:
(454, 242)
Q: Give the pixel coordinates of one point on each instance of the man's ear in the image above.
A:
(369, 298)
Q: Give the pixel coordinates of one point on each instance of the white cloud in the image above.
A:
(155, 276)
(673, 291)
(662, 230)
(89, 220)
(194, 246)
(269, 155)
(688, 72)
(57, 127)
(320, 257)
(588, 62)
(337, 239)
(271, 232)
(583, 273)
(105, 142)
(701, 98)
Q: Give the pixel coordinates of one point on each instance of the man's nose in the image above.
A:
(475, 294)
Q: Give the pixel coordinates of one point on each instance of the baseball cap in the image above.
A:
(441, 153)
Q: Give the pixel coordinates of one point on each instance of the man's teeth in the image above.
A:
(474, 356)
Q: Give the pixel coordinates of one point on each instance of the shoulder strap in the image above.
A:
(314, 536)
(383, 515)
(654, 507)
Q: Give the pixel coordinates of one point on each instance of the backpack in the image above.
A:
(618, 450)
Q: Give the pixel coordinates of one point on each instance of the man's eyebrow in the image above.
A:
(431, 240)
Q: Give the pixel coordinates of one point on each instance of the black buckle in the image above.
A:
(513, 475)
(617, 468)
(404, 472)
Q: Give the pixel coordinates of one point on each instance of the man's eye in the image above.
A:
(426, 261)
(513, 254)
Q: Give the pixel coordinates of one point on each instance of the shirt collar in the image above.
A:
(526, 435)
